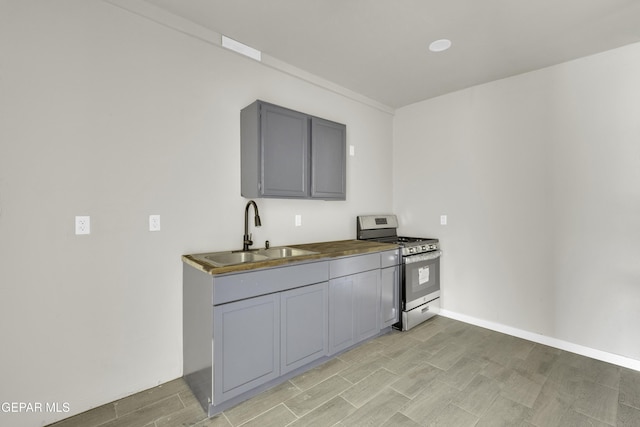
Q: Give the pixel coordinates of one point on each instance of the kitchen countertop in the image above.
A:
(324, 250)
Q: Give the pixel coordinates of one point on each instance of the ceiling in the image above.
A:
(379, 48)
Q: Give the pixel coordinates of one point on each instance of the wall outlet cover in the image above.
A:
(154, 222)
(83, 225)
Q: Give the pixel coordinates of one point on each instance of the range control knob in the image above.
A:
(424, 248)
(411, 250)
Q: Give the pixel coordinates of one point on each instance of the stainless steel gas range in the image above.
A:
(419, 272)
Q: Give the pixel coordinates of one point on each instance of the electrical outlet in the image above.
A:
(298, 220)
(443, 220)
(154, 222)
(83, 225)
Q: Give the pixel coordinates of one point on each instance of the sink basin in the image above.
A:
(223, 259)
(230, 258)
(284, 252)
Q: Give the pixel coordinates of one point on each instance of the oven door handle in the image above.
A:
(422, 257)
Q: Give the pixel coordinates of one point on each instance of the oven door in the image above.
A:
(421, 279)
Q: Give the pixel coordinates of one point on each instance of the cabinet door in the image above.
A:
(390, 290)
(367, 304)
(304, 326)
(328, 159)
(354, 309)
(284, 152)
(246, 346)
(341, 313)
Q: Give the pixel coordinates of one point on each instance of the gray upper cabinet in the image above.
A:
(284, 167)
(328, 159)
(288, 154)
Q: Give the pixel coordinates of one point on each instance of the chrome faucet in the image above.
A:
(247, 237)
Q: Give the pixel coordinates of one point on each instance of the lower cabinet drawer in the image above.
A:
(353, 264)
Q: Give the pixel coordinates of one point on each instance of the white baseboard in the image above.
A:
(543, 339)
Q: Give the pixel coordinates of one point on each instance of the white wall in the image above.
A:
(108, 114)
(539, 175)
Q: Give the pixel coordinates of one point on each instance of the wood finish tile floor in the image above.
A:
(441, 373)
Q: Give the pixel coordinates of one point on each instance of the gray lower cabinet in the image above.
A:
(354, 300)
(245, 332)
(304, 326)
(341, 314)
(246, 347)
(258, 339)
(389, 288)
(289, 154)
(367, 304)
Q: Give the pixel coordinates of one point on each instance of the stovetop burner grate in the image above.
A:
(383, 228)
(403, 241)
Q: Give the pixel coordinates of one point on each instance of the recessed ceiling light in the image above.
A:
(440, 45)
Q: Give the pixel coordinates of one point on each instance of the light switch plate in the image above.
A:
(443, 220)
(298, 220)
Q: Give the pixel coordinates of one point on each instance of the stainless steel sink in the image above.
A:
(284, 252)
(223, 259)
(230, 258)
